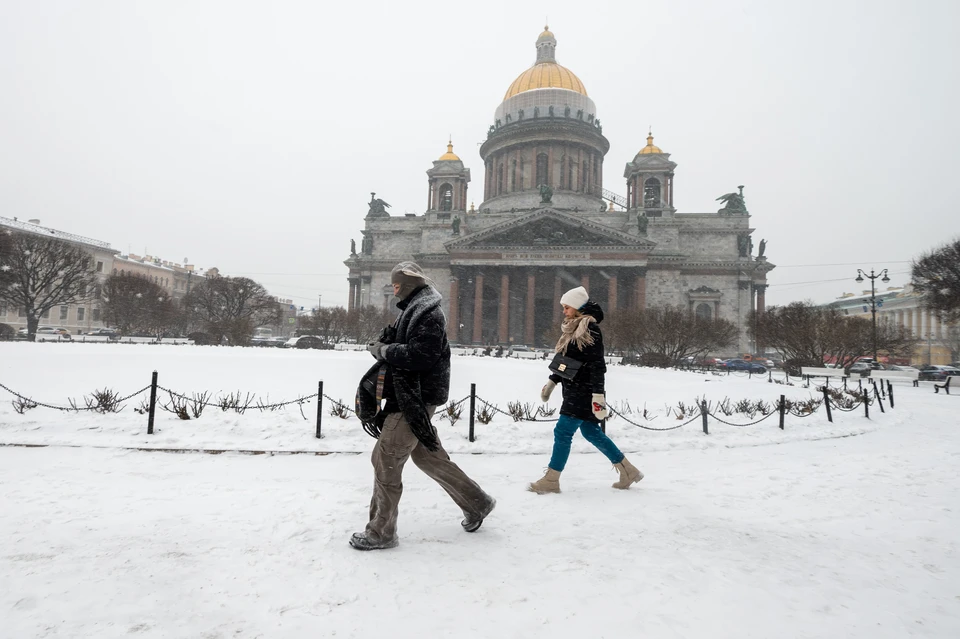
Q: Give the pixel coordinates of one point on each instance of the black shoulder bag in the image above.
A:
(565, 367)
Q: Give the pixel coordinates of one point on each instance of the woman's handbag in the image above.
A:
(565, 367)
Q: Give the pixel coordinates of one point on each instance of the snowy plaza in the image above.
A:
(819, 530)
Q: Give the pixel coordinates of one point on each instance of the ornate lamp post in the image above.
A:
(873, 300)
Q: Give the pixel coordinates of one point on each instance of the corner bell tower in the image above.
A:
(650, 182)
(448, 181)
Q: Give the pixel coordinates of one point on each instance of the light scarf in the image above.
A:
(575, 330)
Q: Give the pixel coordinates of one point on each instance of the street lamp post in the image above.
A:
(873, 300)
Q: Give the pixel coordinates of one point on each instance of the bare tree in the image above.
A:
(40, 273)
(129, 302)
(366, 322)
(231, 307)
(936, 277)
(809, 335)
(666, 335)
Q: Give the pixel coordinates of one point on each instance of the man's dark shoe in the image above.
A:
(361, 541)
(472, 523)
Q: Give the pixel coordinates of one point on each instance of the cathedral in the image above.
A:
(547, 224)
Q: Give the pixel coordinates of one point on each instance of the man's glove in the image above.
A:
(376, 349)
(547, 389)
(600, 406)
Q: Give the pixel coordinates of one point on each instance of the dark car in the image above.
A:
(307, 341)
(935, 373)
(863, 368)
(744, 365)
(105, 332)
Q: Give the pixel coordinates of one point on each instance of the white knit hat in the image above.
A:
(575, 297)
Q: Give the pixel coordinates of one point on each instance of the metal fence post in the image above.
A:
(890, 392)
(877, 394)
(703, 413)
(783, 409)
(473, 407)
(153, 403)
(826, 402)
(319, 407)
(866, 404)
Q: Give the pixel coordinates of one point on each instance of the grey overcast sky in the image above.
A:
(248, 135)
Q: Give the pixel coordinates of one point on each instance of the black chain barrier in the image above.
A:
(299, 400)
(70, 409)
(753, 423)
(440, 409)
(510, 415)
(630, 421)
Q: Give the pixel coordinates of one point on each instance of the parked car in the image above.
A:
(307, 341)
(935, 373)
(744, 365)
(863, 368)
(907, 369)
(52, 333)
(105, 332)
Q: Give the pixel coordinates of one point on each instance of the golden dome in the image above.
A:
(650, 148)
(546, 75)
(449, 155)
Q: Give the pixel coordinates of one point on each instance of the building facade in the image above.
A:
(547, 224)
(938, 341)
(76, 318)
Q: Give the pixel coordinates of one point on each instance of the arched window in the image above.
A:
(446, 197)
(704, 311)
(651, 194)
(541, 169)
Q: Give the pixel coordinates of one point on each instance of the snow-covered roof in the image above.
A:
(36, 229)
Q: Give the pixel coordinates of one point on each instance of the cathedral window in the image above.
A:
(500, 179)
(541, 169)
(704, 311)
(583, 177)
(446, 197)
(651, 193)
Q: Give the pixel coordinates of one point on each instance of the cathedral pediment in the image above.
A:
(547, 229)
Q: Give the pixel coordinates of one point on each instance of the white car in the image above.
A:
(52, 334)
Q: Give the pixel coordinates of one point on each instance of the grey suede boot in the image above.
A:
(549, 483)
(629, 474)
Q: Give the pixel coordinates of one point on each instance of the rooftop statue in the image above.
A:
(762, 248)
(378, 208)
(733, 203)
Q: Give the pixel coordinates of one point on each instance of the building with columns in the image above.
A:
(547, 224)
(938, 341)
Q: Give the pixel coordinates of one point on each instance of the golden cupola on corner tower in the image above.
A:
(651, 147)
(449, 155)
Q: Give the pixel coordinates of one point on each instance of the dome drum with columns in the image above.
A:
(546, 224)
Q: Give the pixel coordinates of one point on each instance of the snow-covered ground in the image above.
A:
(843, 530)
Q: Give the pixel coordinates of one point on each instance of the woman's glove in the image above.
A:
(600, 406)
(547, 389)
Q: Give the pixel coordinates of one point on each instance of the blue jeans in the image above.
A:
(563, 434)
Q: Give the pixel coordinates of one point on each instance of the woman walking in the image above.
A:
(584, 401)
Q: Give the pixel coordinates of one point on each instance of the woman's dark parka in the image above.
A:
(578, 392)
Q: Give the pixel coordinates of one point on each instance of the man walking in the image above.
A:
(416, 380)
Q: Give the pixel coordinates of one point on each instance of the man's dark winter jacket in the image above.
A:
(418, 369)
(577, 392)
(421, 345)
